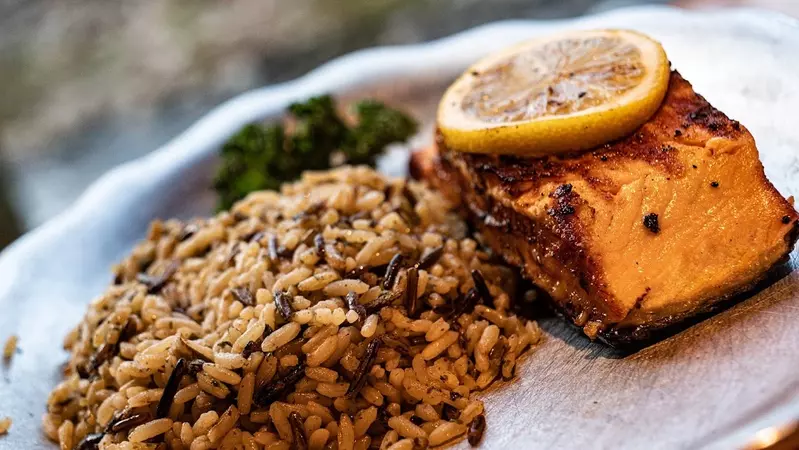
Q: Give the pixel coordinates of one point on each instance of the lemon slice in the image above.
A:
(557, 94)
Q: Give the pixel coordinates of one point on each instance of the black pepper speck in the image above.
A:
(651, 222)
(714, 184)
(562, 190)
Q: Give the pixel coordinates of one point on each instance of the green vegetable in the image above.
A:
(264, 156)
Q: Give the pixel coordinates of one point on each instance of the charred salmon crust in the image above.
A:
(636, 237)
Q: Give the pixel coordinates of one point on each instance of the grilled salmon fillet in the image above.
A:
(639, 234)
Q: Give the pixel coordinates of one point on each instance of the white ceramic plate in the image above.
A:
(714, 385)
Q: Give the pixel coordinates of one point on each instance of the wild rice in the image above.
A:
(126, 423)
(171, 388)
(476, 429)
(344, 312)
(90, 441)
(411, 291)
(298, 431)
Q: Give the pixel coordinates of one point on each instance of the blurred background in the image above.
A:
(89, 84)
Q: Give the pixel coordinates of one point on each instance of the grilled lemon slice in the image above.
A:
(557, 94)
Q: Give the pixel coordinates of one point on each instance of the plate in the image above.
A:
(711, 386)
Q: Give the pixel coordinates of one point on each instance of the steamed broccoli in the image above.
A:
(264, 156)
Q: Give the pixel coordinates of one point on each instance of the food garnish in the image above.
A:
(264, 156)
(556, 94)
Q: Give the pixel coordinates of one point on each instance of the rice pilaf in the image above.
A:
(348, 311)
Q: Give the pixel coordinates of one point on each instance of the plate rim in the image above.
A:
(361, 67)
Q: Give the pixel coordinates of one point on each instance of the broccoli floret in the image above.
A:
(265, 156)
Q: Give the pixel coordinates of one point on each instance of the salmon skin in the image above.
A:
(635, 237)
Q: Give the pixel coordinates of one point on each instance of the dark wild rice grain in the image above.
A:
(319, 245)
(352, 303)
(334, 259)
(311, 210)
(449, 412)
(357, 272)
(411, 304)
(397, 343)
(271, 247)
(298, 431)
(155, 283)
(308, 237)
(126, 423)
(282, 302)
(408, 214)
(90, 442)
(466, 305)
(409, 195)
(250, 348)
(274, 390)
(243, 295)
(417, 340)
(187, 232)
(359, 378)
(431, 258)
(170, 389)
(292, 348)
(482, 287)
(195, 366)
(384, 299)
(391, 271)
(476, 429)
(103, 354)
(255, 237)
(254, 346)
(497, 352)
(83, 370)
(283, 252)
(231, 259)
